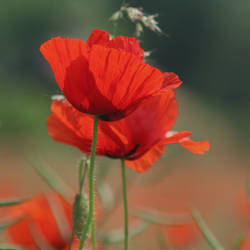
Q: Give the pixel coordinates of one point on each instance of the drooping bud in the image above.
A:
(80, 213)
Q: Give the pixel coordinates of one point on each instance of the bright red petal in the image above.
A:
(66, 124)
(175, 137)
(127, 44)
(60, 53)
(147, 160)
(181, 235)
(20, 234)
(122, 78)
(124, 43)
(41, 223)
(149, 123)
(98, 36)
(186, 142)
(196, 147)
(171, 80)
(128, 138)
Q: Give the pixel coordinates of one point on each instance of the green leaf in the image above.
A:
(11, 202)
(9, 248)
(157, 217)
(117, 236)
(208, 235)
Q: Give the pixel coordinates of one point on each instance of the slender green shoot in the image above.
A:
(208, 235)
(90, 220)
(125, 204)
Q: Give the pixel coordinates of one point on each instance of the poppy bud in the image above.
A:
(80, 213)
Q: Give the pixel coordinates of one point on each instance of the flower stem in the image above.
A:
(125, 204)
(93, 238)
(91, 220)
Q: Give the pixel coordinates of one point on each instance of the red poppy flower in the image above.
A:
(140, 138)
(44, 222)
(105, 77)
(181, 235)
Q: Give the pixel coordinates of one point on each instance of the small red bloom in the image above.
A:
(44, 221)
(105, 77)
(181, 235)
(140, 138)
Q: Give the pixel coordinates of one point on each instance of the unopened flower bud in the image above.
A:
(80, 213)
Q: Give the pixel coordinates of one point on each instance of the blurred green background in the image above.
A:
(207, 43)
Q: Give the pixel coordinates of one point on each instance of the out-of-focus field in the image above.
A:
(206, 45)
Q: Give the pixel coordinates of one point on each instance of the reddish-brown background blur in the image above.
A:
(207, 44)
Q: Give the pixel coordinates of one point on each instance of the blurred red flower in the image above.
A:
(43, 222)
(181, 235)
(140, 138)
(243, 205)
(105, 77)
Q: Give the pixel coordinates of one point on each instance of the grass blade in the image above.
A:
(118, 235)
(11, 202)
(208, 235)
(157, 217)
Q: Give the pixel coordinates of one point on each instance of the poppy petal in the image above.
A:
(20, 234)
(147, 160)
(60, 53)
(63, 126)
(39, 224)
(195, 147)
(136, 79)
(148, 124)
(98, 36)
(171, 80)
(184, 140)
(67, 125)
(127, 44)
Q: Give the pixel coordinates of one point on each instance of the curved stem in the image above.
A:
(125, 204)
(91, 220)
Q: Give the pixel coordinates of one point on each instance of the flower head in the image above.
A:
(101, 76)
(42, 222)
(140, 138)
(181, 235)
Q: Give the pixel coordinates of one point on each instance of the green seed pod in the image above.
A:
(80, 213)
